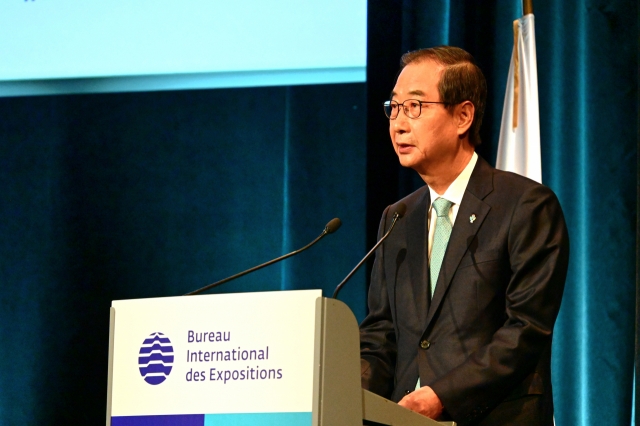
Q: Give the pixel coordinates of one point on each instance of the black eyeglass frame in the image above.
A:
(387, 104)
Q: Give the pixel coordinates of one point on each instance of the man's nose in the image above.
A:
(401, 123)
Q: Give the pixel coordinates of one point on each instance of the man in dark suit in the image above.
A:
(466, 290)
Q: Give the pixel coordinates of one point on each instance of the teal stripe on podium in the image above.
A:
(261, 419)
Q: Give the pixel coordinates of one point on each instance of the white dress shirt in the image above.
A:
(454, 193)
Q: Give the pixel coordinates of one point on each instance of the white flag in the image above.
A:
(519, 145)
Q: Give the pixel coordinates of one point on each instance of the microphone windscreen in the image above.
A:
(333, 225)
(401, 209)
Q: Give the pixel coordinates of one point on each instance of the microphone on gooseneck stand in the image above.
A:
(330, 228)
(400, 211)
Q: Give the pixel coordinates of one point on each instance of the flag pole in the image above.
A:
(527, 7)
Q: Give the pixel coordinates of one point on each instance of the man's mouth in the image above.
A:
(404, 147)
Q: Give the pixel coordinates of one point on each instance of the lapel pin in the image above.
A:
(472, 218)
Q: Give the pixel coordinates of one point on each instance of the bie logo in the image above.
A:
(156, 358)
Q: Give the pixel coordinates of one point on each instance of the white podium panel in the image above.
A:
(288, 358)
(231, 355)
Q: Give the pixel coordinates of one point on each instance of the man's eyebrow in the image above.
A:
(413, 92)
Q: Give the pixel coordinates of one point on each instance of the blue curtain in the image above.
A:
(588, 86)
(120, 196)
(589, 89)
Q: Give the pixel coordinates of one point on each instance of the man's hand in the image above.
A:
(423, 401)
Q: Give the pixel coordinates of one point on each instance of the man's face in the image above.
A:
(431, 138)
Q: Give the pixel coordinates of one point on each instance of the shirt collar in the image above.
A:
(455, 192)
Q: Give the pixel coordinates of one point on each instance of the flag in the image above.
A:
(519, 144)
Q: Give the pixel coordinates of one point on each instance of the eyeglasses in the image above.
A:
(412, 108)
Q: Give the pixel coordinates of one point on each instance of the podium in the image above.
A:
(274, 358)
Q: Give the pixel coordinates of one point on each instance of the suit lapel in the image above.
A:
(464, 229)
(417, 256)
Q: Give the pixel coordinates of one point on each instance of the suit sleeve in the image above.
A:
(378, 347)
(538, 254)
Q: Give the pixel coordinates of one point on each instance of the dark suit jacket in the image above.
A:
(484, 342)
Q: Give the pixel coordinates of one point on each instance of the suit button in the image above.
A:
(425, 344)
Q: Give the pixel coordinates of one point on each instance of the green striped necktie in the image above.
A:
(440, 240)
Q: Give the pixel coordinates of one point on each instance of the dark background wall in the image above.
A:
(117, 196)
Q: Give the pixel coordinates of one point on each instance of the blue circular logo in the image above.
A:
(156, 358)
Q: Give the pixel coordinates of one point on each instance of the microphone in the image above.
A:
(400, 211)
(330, 228)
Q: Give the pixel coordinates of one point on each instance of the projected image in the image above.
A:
(69, 46)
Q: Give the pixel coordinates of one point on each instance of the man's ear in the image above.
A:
(464, 113)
